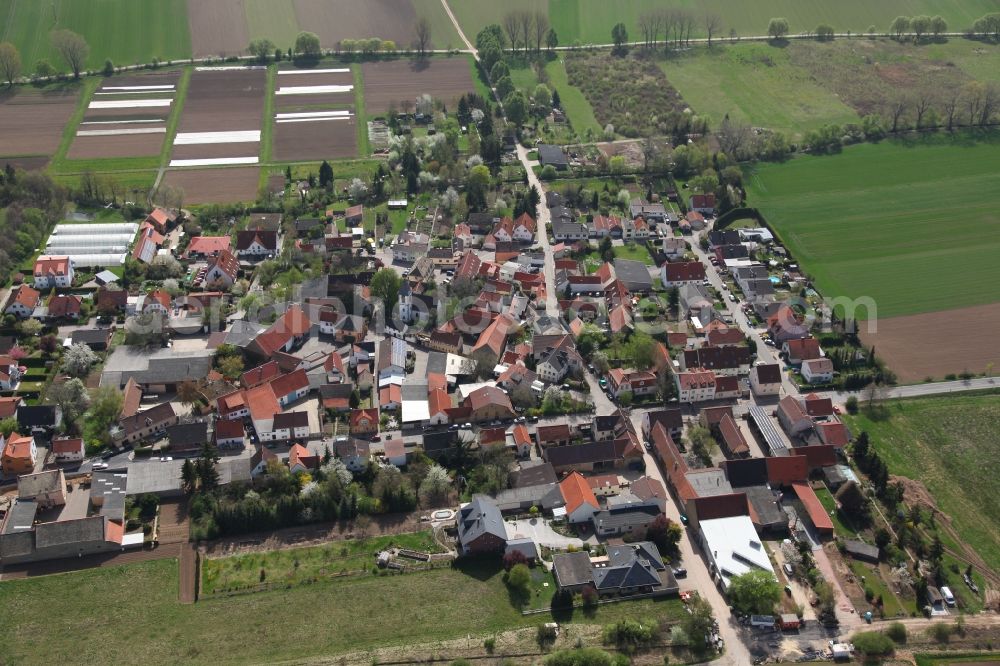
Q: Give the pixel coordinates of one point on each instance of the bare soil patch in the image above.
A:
(26, 163)
(218, 27)
(158, 78)
(32, 121)
(341, 100)
(118, 145)
(324, 79)
(334, 20)
(938, 343)
(316, 140)
(150, 113)
(224, 100)
(392, 82)
(227, 185)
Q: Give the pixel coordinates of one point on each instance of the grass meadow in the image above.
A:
(590, 21)
(949, 444)
(911, 223)
(574, 103)
(126, 31)
(343, 615)
(754, 83)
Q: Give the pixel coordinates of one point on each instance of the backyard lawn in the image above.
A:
(343, 615)
(295, 566)
(949, 444)
(869, 222)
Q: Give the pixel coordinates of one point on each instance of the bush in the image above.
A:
(852, 405)
(940, 632)
(897, 632)
(873, 644)
(548, 172)
(629, 635)
(490, 644)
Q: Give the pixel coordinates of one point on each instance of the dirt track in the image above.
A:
(938, 343)
(395, 81)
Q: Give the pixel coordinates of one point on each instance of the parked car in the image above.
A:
(680, 572)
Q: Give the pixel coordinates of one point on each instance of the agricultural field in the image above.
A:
(909, 223)
(217, 185)
(757, 84)
(948, 444)
(590, 21)
(32, 121)
(126, 31)
(422, 607)
(126, 117)
(395, 82)
(218, 28)
(314, 115)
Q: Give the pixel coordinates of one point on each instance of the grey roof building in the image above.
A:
(553, 155)
(481, 527)
(572, 571)
(634, 274)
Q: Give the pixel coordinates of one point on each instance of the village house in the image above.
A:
(695, 385)
(581, 504)
(139, 426)
(488, 404)
(671, 419)
(222, 270)
(636, 382)
(364, 421)
(18, 454)
(729, 360)
(255, 244)
(682, 273)
(53, 271)
(203, 247)
(481, 527)
(703, 203)
(818, 371)
(68, 449)
(47, 489)
(765, 379)
(22, 302)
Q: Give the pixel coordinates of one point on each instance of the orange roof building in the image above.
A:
(581, 504)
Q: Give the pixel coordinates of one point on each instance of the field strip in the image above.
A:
(138, 88)
(215, 161)
(231, 68)
(200, 138)
(129, 103)
(123, 122)
(311, 120)
(313, 90)
(313, 114)
(314, 71)
(137, 92)
(116, 132)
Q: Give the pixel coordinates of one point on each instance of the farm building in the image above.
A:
(92, 244)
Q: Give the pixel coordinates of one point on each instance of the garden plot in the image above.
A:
(401, 81)
(221, 122)
(32, 121)
(298, 87)
(126, 118)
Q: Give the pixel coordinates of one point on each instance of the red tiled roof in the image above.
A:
(261, 402)
(817, 406)
(732, 436)
(785, 470)
(833, 433)
(286, 384)
(576, 492)
(228, 428)
(696, 378)
(817, 514)
(521, 435)
(803, 349)
(9, 405)
(685, 271)
(47, 266)
(67, 445)
(27, 297)
(260, 374)
(438, 401)
(208, 245)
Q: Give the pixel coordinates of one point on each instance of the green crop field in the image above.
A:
(126, 31)
(590, 21)
(344, 615)
(913, 224)
(273, 19)
(755, 83)
(949, 444)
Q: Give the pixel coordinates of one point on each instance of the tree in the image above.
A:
(619, 35)
(109, 67)
(422, 35)
(325, 175)
(713, 23)
(44, 69)
(542, 98)
(899, 26)
(516, 106)
(8, 425)
(665, 533)
(851, 405)
(188, 392)
(504, 85)
(519, 578)
(71, 397)
(435, 487)
(231, 367)
(824, 32)
(872, 644)
(512, 25)
(514, 557)
(78, 359)
(552, 40)
(476, 185)
(261, 49)
(105, 408)
(777, 28)
(188, 476)
(385, 286)
(755, 592)
(307, 45)
(698, 623)
(498, 71)
(920, 26)
(541, 29)
(72, 48)
(938, 26)
(30, 328)
(10, 63)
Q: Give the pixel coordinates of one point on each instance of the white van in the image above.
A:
(949, 598)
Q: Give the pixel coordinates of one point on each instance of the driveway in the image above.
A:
(543, 534)
(544, 221)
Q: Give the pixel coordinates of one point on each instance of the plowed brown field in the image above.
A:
(392, 82)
